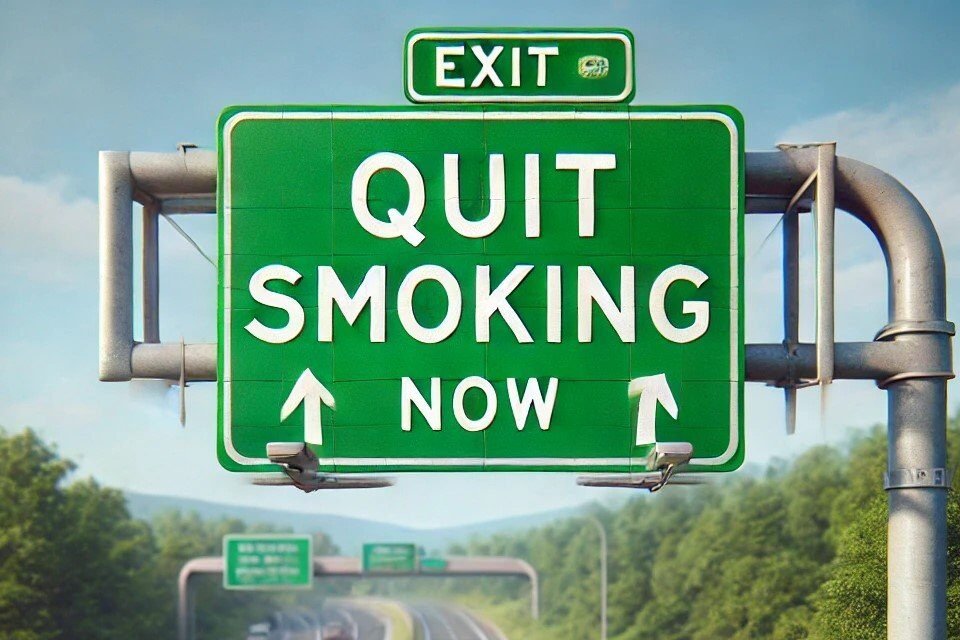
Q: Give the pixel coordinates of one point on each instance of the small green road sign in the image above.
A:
(387, 558)
(267, 561)
(519, 65)
(433, 565)
(483, 288)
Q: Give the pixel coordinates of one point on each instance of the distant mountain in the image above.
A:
(346, 532)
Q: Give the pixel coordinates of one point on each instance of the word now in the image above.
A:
(489, 301)
(403, 225)
(533, 397)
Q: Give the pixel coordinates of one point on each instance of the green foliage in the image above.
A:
(72, 561)
(852, 603)
(74, 564)
(799, 553)
(30, 499)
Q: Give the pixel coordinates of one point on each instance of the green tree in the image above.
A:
(73, 564)
(31, 510)
(852, 604)
(114, 591)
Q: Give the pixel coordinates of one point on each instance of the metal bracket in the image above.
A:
(651, 481)
(912, 478)
(301, 466)
(665, 459)
(915, 326)
(915, 375)
(894, 329)
(820, 183)
(669, 454)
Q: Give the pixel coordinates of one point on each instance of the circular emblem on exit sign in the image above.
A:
(593, 67)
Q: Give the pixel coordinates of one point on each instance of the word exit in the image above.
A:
(446, 64)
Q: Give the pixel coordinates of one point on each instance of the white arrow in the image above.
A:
(309, 391)
(652, 390)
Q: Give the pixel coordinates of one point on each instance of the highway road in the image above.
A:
(353, 620)
(450, 622)
(366, 620)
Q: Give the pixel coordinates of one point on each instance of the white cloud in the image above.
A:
(47, 235)
(915, 139)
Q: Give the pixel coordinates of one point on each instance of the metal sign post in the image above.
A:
(911, 357)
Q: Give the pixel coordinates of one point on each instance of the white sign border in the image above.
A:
(573, 463)
(461, 98)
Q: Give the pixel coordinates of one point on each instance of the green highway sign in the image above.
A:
(433, 565)
(267, 561)
(519, 65)
(387, 558)
(481, 288)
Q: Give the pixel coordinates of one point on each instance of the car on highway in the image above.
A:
(259, 631)
(335, 631)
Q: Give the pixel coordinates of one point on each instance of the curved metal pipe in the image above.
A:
(208, 564)
(916, 533)
(908, 239)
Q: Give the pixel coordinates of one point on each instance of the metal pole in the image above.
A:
(116, 265)
(825, 217)
(916, 530)
(192, 617)
(534, 591)
(791, 305)
(150, 273)
(183, 602)
(603, 574)
(916, 482)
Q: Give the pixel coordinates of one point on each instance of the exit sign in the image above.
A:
(482, 289)
(519, 65)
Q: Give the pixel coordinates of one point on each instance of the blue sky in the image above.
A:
(880, 77)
